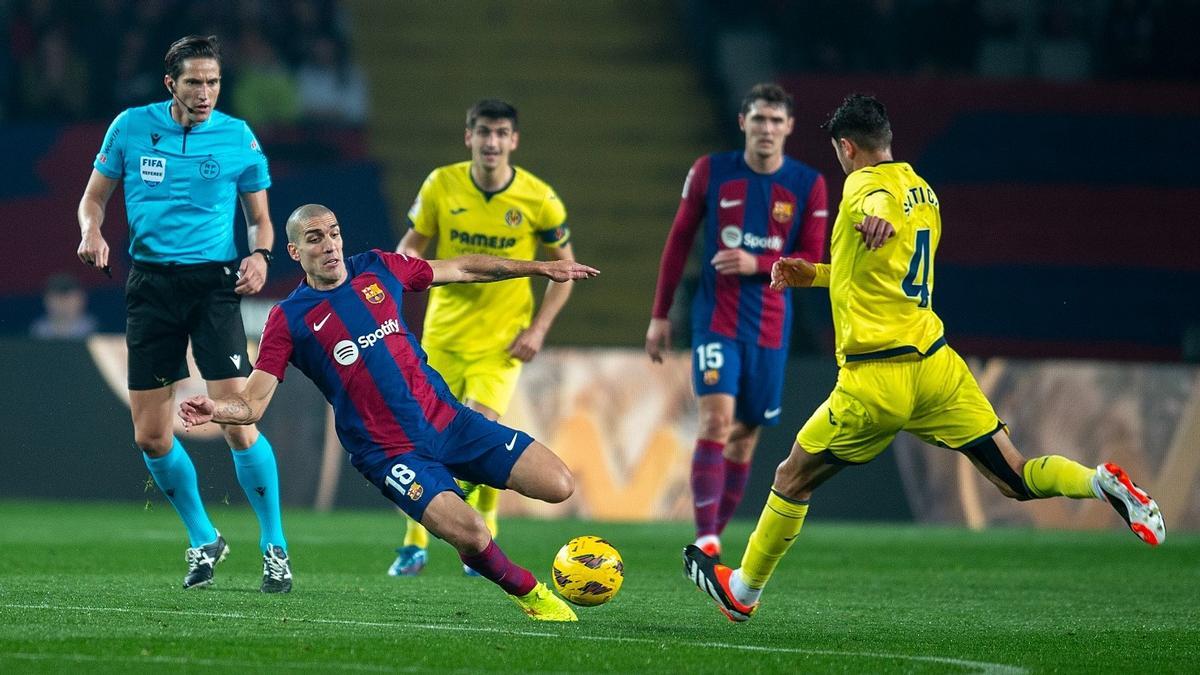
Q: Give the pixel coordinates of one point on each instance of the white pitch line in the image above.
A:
(979, 666)
(197, 661)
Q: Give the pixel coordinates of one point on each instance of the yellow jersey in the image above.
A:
(883, 299)
(509, 223)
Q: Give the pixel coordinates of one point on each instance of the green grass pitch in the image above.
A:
(96, 587)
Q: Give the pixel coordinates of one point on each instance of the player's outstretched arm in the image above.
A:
(245, 407)
(484, 268)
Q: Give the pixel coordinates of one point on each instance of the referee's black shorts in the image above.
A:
(167, 304)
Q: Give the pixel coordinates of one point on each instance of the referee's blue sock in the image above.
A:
(176, 477)
(259, 478)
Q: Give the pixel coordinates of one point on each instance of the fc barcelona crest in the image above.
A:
(782, 211)
(513, 217)
(373, 294)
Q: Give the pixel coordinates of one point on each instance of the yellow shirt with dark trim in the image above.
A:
(463, 219)
(879, 309)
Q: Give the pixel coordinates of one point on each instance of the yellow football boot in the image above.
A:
(543, 605)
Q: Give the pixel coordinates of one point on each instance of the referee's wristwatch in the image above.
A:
(265, 253)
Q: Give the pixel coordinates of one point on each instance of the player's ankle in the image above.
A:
(741, 592)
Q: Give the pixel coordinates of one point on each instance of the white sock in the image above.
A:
(741, 592)
(701, 542)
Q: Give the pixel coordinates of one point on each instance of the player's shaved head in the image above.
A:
(304, 214)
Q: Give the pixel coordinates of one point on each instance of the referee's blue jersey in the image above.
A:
(181, 184)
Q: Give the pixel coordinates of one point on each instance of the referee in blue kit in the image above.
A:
(183, 165)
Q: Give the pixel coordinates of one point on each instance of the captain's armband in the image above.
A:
(555, 237)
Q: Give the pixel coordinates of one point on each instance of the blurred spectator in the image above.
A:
(54, 84)
(332, 88)
(136, 83)
(264, 92)
(66, 315)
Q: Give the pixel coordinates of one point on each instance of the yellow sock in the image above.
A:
(778, 526)
(1054, 475)
(416, 534)
(487, 498)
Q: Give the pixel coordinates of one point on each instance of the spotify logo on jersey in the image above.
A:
(345, 352)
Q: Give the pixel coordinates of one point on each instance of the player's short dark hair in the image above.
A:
(492, 108)
(862, 119)
(770, 92)
(190, 47)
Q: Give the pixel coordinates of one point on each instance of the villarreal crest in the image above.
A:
(782, 211)
(373, 294)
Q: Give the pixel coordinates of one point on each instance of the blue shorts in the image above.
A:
(472, 448)
(753, 375)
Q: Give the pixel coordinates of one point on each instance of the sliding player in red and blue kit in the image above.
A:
(754, 206)
(393, 413)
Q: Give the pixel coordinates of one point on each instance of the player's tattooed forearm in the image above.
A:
(234, 410)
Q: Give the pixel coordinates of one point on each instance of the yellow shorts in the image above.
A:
(934, 398)
(490, 379)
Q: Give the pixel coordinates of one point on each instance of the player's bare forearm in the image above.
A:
(555, 298)
(557, 292)
(480, 268)
(413, 244)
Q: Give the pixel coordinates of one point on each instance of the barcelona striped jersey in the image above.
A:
(353, 344)
(768, 215)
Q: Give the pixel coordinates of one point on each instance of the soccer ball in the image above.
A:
(588, 571)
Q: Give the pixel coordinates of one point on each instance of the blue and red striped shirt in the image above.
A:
(770, 216)
(352, 343)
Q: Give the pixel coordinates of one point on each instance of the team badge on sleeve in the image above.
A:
(782, 211)
(373, 294)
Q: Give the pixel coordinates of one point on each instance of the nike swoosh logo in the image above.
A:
(455, 212)
(772, 413)
(730, 203)
(319, 326)
(509, 445)
(706, 502)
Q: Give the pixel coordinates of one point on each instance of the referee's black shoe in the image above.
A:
(201, 560)
(277, 571)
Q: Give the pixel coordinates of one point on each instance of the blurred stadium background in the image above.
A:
(1059, 136)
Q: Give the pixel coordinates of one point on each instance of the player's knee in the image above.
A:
(740, 451)
(715, 426)
(239, 436)
(155, 445)
(1007, 478)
